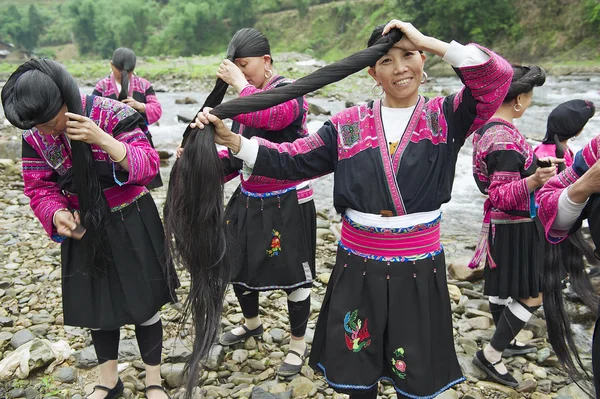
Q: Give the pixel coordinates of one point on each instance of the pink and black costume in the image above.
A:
(136, 286)
(389, 253)
(140, 90)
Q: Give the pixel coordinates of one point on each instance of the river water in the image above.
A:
(462, 215)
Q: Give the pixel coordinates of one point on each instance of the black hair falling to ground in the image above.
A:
(567, 256)
(194, 225)
(33, 95)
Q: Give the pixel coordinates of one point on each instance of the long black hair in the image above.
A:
(194, 205)
(33, 95)
(124, 60)
(525, 78)
(567, 257)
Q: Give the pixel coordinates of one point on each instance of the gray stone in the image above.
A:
(67, 375)
(459, 270)
(128, 350)
(239, 378)
(215, 357)
(277, 334)
(177, 351)
(173, 374)
(572, 390)
(301, 386)
(473, 394)
(256, 365)
(41, 355)
(16, 393)
(449, 394)
(6, 322)
(31, 393)
(472, 372)
(86, 358)
(42, 318)
(21, 337)
(240, 355)
(543, 354)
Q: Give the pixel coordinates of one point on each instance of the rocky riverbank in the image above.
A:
(30, 316)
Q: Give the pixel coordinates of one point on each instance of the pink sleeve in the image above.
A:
(488, 84)
(143, 160)
(509, 192)
(224, 154)
(547, 198)
(274, 118)
(153, 109)
(41, 187)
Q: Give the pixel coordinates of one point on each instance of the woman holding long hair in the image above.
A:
(124, 85)
(85, 163)
(511, 242)
(394, 161)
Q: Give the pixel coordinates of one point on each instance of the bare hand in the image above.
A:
(138, 106)
(412, 39)
(178, 152)
(223, 135)
(81, 128)
(68, 225)
(541, 176)
(232, 75)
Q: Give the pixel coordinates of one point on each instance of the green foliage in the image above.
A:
(23, 29)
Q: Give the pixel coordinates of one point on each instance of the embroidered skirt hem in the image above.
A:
(387, 321)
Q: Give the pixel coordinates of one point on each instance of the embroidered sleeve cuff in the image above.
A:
(248, 151)
(568, 212)
(460, 56)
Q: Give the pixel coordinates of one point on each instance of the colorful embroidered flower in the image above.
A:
(358, 330)
(398, 365)
(275, 244)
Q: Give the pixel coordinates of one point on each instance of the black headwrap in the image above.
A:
(33, 95)
(568, 119)
(195, 193)
(124, 60)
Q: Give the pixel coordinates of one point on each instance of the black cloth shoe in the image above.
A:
(230, 338)
(287, 369)
(514, 350)
(505, 379)
(158, 387)
(111, 393)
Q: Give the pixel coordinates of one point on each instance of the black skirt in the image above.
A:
(135, 287)
(387, 321)
(518, 250)
(273, 240)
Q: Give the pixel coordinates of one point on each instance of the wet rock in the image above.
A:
(186, 100)
(301, 386)
(67, 375)
(459, 270)
(173, 374)
(21, 337)
(215, 357)
(86, 358)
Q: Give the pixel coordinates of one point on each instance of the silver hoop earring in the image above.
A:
(424, 78)
(268, 74)
(375, 92)
(517, 107)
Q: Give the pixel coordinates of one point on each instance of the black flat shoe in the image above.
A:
(505, 379)
(157, 387)
(230, 338)
(514, 350)
(287, 369)
(111, 393)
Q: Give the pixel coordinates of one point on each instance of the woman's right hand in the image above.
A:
(540, 177)
(68, 225)
(223, 135)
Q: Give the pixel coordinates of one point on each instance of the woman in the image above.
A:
(565, 201)
(85, 172)
(394, 165)
(565, 122)
(511, 240)
(273, 225)
(123, 85)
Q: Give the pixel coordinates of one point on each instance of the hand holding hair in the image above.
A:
(138, 106)
(540, 177)
(81, 128)
(232, 75)
(414, 40)
(68, 224)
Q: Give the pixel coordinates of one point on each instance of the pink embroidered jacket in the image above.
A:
(47, 171)
(418, 177)
(282, 123)
(548, 195)
(549, 150)
(502, 160)
(139, 89)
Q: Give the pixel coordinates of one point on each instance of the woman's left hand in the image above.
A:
(138, 106)
(81, 128)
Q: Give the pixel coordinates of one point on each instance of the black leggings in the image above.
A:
(149, 338)
(299, 311)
